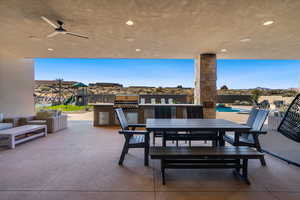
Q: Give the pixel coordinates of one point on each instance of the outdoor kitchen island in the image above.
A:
(104, 114)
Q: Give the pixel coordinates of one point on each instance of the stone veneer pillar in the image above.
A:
(205, 91)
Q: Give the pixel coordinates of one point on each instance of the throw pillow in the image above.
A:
(43, 115)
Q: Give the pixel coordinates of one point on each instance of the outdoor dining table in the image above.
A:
(219, 126)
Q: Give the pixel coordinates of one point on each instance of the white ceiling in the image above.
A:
(162, 28)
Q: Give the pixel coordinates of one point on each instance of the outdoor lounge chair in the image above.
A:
(133, 138)
(290, 128)
(256, 121)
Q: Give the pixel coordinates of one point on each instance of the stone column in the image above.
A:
(205, 91)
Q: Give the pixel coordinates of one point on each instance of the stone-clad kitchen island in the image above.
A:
(104, 114)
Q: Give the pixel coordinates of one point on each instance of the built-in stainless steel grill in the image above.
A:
(126, 101)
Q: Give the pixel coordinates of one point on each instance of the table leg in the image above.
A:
(214, 143)
(245, 171)
(221, 138)
(46, 131)
(162, 169)
(146, 161)
(12, 141)
(236, 138)
(164, 144)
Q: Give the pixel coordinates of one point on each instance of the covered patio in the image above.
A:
(201, 30)
(81, 161)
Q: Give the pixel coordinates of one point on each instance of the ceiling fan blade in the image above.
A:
(78, 35)
(49, 22)
(53, 34)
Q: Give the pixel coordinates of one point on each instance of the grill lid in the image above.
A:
(126, 101)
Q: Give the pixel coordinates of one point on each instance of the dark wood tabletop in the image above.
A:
(194, 124)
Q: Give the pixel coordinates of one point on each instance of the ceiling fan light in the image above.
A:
(268, 23)
(245, 40)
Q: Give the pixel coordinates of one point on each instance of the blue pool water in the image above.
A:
(227, 109)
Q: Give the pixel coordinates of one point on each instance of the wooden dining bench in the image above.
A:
(205, 157)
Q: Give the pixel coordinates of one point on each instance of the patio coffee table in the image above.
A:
(216, 125)
(23, 133)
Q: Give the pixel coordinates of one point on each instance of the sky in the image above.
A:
(236, 74)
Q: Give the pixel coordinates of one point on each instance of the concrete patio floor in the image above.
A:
(81, 163)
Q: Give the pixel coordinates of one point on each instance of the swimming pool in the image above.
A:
(227, 109)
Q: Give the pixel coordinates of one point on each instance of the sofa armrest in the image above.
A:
(132, 132)
(13, 121)
(56, 123)
(253, 132)
(134, 126)
(64, 116)
(50, 120)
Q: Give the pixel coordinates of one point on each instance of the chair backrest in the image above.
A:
(252, 116)
(162, 112)
(260, 119)
(194, 112)
(122, 119)
(290, 124)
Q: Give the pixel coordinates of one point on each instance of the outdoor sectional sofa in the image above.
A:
(54, 122)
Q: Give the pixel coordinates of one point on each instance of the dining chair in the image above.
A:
(133, 138)
(256, 121)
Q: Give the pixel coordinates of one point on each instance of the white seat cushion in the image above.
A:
(37, 122)
(5, 126)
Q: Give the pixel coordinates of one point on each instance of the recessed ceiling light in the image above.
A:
(129, 23)
(223, 50)
(138, 50)
(49, 49)
(245, 40)
(268, 23)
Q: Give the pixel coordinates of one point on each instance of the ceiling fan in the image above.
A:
(58, 29)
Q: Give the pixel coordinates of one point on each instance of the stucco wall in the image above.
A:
(16, 86)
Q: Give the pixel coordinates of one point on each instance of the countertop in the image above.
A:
(148, 105)
(175, 105)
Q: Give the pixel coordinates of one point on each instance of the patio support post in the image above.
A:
(205, 91)
(16, 86)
